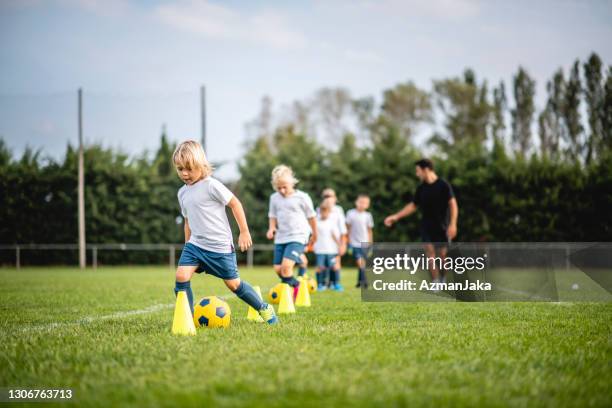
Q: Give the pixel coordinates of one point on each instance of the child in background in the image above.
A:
(327, 245)
(336, 215)
(292, 219)
(360, 223)
(209, 244)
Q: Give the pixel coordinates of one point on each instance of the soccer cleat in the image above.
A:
(267, 313)
(338, 287)
(321, 288)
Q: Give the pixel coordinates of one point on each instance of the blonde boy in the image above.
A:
(291, 220)
(360, 223)
(209, 244)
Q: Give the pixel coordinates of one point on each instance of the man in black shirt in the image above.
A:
(435, 197)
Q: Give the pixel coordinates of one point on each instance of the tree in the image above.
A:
(522, 114)
(261, 126)
(363, 109)
(405, 106)
(571, 114)
(333, 106)
(607, 113)
(594, 96)
(466, 107)
(500, 104)
(550, 121)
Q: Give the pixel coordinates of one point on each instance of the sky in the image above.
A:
(141, 63)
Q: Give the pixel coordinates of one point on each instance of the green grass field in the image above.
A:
(106, 334)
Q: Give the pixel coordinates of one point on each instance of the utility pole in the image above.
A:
(203, 113)
(81, 193)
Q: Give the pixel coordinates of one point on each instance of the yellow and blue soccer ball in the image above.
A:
(211, 312)
(275, 293)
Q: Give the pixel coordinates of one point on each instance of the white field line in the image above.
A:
(117, 315)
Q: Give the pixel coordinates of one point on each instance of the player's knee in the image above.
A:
(277, 269)
(286, 270)
(182, 275)
(232, 284)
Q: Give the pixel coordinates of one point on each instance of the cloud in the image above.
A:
(363, 56)
(106, 8)
(437, 9)
(219, 22)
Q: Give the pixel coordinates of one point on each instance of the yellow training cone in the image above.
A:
(286, 301)
(303, 296)
(183, 320)
(253, 314)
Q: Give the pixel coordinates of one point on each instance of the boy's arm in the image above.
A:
(244, 239)
(271, 228)
(312, 221)
(370, 235)
(336, 240)
(187, 231)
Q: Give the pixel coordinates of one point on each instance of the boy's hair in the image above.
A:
(191, 156)
(328, 192)
(282, 171)
(425, 164)
(363, 195)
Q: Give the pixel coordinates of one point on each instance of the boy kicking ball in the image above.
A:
(360, 223)
(291, 220)
(209, 244)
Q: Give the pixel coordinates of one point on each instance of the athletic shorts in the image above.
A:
(289, 250)
(326, 260)
(358, 253)
(221, 265)
(436, 236)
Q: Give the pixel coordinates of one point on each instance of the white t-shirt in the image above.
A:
(326, 230)
(337, 216)
(203, 204)
(359, 221)
(292, 214)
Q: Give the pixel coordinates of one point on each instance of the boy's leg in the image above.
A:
(286, 272)
(362, 277)
(183, 282)
(303, 265)
(245, 292)
(335, 270)
(248, 295)
(320, 272)
(332, 274)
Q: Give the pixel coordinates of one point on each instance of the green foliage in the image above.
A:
(466, 108)
(500, 198)
(125, 201)
(561, 193)
(522, 114)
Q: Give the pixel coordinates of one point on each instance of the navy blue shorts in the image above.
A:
(217, 264)
(358, 253)
(290, 250)
(326, 260)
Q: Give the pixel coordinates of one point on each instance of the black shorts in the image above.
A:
(436, 236)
